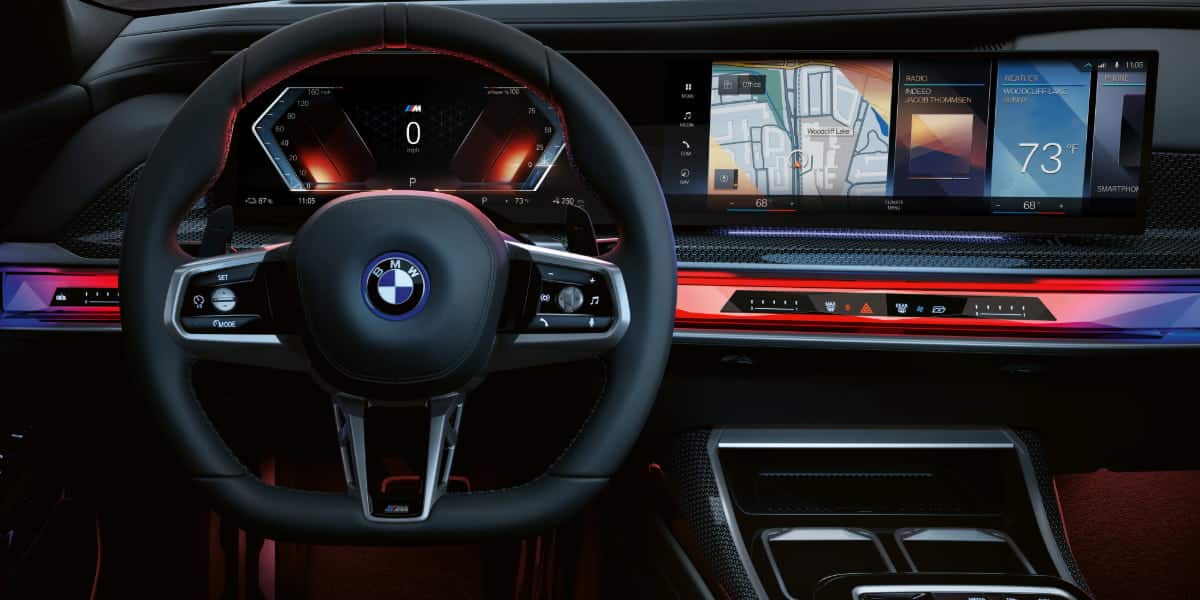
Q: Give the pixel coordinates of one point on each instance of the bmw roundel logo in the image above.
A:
(395, 286)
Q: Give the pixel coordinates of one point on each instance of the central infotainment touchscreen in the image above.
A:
(1015, 141)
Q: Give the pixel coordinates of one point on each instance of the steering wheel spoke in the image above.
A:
(559, 307)
(367, 475)
(232, 308)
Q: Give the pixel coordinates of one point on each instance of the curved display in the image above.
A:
(1010, 141)
(1005, 141)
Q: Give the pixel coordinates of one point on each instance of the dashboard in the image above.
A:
(820, 288)
(886, 212)
(999, 186)
(988, 140)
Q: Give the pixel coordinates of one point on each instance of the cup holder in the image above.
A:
(801, 557)
(955, 550)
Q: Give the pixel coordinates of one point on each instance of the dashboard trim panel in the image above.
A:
(1077, 310)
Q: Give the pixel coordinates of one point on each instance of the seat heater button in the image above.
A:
(223, 299)
(219, 324)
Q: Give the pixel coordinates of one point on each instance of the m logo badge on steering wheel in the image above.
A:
(395, 286)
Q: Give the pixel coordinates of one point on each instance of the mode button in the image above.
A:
(218, 324)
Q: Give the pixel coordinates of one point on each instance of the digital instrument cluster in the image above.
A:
(403, 121)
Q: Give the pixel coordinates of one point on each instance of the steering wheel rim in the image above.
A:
(190, 156)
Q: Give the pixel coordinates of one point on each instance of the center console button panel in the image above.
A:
(857, 304)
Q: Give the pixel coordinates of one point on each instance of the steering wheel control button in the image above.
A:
(572, 291)
(570, 299)
(223, 299)
(227, 276)
(223, 290)
(561, 322)
(395, 286)
(220, 324)
(567, 275)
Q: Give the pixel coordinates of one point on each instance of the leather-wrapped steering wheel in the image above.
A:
(319, 309)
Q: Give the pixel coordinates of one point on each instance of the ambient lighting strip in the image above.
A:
(866, 234)
(39, 297)
(1133, 307)
(1141, 308)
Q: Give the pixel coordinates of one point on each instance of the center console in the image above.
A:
(873, 514)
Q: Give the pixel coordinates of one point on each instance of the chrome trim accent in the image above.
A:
(263, 144)
(864, 590)
(445, 415)
(528, 349)
(727, 512)
(872, 446)
(812, 534)
(959, 438)
(258, 349)
(342, 421)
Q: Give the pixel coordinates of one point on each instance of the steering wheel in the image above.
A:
(397, 297)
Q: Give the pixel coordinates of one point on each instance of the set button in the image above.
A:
(223, 277)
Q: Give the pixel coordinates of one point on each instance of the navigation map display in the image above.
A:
(1021, 139)
(795, 128)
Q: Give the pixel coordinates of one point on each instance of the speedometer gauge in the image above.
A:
(312, 143)
(336, 139)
